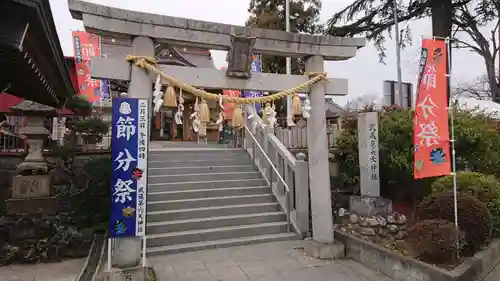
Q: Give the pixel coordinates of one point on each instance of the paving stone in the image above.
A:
(188, 265)
(255, 268)
(271, 276)
(227, 272)
(200, 275)
(61, 271)
(277, 261)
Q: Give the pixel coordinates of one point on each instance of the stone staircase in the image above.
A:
(208, 198)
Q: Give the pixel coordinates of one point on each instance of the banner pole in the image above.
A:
(144, 251)
(452, 139)
(109, 254)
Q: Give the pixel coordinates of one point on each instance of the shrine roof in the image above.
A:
(31, 54)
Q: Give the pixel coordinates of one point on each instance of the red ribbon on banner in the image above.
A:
(430, 124)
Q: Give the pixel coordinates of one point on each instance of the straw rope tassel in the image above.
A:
(237, 117)
(265, 114)
(170, 98)
(204, 112)
(296, 105)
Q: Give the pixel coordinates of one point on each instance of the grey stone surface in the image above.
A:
(277, 261)
(61, 271)
(494, 275)
(127, 251)
(209, 35)
(31, 108)
(324, 251)
(35, 133)
(33, 186)
(135, 274)
(188, 210)
(368, 146)
(406, 268)
(319, 177)
(370, 206)
(115, 67)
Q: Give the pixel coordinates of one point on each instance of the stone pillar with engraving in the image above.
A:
(32, 185)
(369, 203)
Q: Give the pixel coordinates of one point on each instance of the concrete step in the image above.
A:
(200, 169)
(181, 214)
(197, 155)
(204, 193)
(203, 177)
(219, 161)
(204, 184)
(213, 222)
(199, 235)
(222, 243)
(207, 202)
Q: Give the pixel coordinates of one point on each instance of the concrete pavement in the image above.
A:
(61, 271)
(277, 261)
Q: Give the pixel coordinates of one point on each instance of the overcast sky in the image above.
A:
(364, 72)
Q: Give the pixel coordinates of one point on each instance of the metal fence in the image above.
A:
(13, 142)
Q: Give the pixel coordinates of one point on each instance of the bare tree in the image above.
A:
(366, 101)
(484, 41)
(479, 89)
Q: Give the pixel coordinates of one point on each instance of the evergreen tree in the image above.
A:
(270, 14)
(375, 18)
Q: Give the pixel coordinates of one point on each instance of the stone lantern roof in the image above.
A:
(31, 108)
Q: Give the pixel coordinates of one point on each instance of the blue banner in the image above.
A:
(256, 67)
(129, 151)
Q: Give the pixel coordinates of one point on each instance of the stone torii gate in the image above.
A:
(135, 33)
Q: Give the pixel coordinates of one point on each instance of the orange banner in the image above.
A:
(430, 124)
(86, 46)
(229, 106)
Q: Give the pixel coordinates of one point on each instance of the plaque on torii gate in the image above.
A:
(239, 57)
(143, 31)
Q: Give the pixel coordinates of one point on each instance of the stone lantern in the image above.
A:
(32, 185)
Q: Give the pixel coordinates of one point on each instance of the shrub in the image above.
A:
(434, 241)
(91, 205)
(473, 217)
(477, 146)
(485, 187)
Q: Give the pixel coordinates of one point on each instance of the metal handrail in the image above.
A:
(268, 160)
(287, 189)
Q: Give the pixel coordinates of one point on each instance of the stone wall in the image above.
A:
(405, 268)
(388, 231)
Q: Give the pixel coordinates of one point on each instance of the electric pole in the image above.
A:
(289, 117)
(399, 91)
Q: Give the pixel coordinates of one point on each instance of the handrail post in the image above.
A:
(302, 194)
(267, 166)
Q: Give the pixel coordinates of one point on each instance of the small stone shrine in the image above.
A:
(369, 203)
(32, 185)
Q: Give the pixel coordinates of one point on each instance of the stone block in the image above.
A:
(133, 274)
(370, 206)
(47, 206)
(34, 186)
(325, 251)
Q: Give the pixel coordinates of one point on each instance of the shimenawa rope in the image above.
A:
(149, 63)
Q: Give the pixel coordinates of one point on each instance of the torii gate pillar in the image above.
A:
(126, 251)
(317, 146)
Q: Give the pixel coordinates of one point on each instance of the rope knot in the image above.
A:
(141, 61)
(321, 75)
